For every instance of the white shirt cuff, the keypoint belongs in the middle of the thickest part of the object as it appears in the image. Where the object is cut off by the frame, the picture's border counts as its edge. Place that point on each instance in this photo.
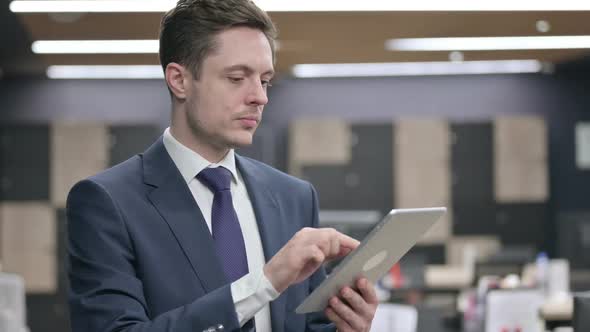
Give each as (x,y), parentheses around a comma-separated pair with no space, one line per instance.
(251,293)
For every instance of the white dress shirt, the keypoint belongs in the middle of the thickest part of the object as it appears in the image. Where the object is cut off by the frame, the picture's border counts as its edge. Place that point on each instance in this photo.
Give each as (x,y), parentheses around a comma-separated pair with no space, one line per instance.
(253,292)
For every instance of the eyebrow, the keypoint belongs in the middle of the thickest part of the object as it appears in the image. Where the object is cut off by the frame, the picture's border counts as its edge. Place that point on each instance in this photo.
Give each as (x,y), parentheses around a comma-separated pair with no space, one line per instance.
(247,69)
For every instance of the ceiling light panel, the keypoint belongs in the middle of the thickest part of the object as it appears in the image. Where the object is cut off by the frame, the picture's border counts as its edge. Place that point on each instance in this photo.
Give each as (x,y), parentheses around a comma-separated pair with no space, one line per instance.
(488,43)
(417,68)
(95,46)
(105,72)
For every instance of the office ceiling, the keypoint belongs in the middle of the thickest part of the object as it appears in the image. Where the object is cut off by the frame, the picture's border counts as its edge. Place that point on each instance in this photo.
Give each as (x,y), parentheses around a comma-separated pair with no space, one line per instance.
(304,37)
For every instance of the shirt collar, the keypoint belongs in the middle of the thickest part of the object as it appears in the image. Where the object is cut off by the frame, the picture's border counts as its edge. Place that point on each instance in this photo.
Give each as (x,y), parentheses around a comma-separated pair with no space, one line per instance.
(190,163)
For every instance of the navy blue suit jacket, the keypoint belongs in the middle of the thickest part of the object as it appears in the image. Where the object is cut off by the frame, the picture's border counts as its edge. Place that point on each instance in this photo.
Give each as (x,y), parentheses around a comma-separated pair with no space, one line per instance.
(142,258)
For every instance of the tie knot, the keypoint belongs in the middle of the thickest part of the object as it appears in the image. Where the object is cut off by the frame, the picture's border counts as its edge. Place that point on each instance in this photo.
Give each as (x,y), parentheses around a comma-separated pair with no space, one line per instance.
(216,179)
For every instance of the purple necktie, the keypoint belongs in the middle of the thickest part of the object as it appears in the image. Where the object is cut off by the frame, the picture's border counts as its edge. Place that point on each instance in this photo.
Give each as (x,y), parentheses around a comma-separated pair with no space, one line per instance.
(225,227)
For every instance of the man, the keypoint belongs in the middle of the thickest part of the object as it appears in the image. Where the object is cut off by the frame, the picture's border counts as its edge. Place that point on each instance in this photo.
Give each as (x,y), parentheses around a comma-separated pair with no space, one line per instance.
(189,236)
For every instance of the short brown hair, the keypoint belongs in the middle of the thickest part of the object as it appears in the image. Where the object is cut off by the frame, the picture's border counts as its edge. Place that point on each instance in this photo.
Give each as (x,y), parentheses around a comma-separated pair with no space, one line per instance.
(187,32)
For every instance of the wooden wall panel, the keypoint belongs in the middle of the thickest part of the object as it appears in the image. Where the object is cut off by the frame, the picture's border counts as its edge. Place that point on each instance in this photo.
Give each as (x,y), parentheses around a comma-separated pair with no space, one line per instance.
(520,159)
(78,151)
(318,142)
(29,244)
(422,170)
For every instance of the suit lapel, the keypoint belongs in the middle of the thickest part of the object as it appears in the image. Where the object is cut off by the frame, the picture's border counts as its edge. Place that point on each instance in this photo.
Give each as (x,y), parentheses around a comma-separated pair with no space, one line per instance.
(268,218)
(175,203)
(173,200)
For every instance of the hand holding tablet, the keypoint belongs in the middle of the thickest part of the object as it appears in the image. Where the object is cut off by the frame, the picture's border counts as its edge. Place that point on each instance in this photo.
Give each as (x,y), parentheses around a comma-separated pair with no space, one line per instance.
(379,251)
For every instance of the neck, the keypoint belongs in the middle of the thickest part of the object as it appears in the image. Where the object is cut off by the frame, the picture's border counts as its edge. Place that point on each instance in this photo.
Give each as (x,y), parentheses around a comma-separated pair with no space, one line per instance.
(198,144)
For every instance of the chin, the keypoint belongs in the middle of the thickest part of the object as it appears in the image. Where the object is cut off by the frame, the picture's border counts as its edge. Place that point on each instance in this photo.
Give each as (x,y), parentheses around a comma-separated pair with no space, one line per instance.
(242,141)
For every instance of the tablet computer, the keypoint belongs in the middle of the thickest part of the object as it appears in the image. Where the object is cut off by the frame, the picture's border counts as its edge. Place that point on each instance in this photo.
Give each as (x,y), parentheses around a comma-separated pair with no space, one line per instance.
(389,240)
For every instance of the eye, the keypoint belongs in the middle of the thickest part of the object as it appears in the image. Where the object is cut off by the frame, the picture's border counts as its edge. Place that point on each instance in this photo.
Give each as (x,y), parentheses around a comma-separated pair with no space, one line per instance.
(266,83)
(235,79)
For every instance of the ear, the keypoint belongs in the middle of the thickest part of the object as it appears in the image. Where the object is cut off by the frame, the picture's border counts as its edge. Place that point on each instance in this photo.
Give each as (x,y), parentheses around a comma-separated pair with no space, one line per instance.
(176,79)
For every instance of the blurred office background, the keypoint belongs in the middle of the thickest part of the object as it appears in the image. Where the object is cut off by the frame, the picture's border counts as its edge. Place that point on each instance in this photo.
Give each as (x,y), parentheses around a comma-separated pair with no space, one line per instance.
(503,143)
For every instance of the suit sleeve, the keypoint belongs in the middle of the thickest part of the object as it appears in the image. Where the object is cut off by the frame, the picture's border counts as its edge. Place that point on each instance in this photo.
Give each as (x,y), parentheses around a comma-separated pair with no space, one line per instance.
(106,295)
(317,321)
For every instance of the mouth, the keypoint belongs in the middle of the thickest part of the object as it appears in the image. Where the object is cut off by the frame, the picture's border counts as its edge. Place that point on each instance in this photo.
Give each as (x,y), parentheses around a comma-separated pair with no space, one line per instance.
(249,121)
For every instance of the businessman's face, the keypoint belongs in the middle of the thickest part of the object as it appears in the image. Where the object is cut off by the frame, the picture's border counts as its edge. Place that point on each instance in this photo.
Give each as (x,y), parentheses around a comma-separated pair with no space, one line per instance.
(225,104)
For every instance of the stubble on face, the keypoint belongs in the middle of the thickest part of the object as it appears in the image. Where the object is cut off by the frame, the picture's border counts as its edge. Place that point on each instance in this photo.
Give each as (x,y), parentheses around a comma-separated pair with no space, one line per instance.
(225,103)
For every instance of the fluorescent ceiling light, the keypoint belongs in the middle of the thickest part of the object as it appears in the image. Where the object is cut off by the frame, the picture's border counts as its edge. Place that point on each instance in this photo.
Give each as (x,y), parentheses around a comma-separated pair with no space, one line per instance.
(105,72)
(44,6)
(90,6)
(95,46)
(145,46)
(417,68)
(488,43)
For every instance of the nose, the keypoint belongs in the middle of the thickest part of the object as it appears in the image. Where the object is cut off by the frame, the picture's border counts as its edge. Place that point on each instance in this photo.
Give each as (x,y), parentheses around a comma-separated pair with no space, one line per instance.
(257,95)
